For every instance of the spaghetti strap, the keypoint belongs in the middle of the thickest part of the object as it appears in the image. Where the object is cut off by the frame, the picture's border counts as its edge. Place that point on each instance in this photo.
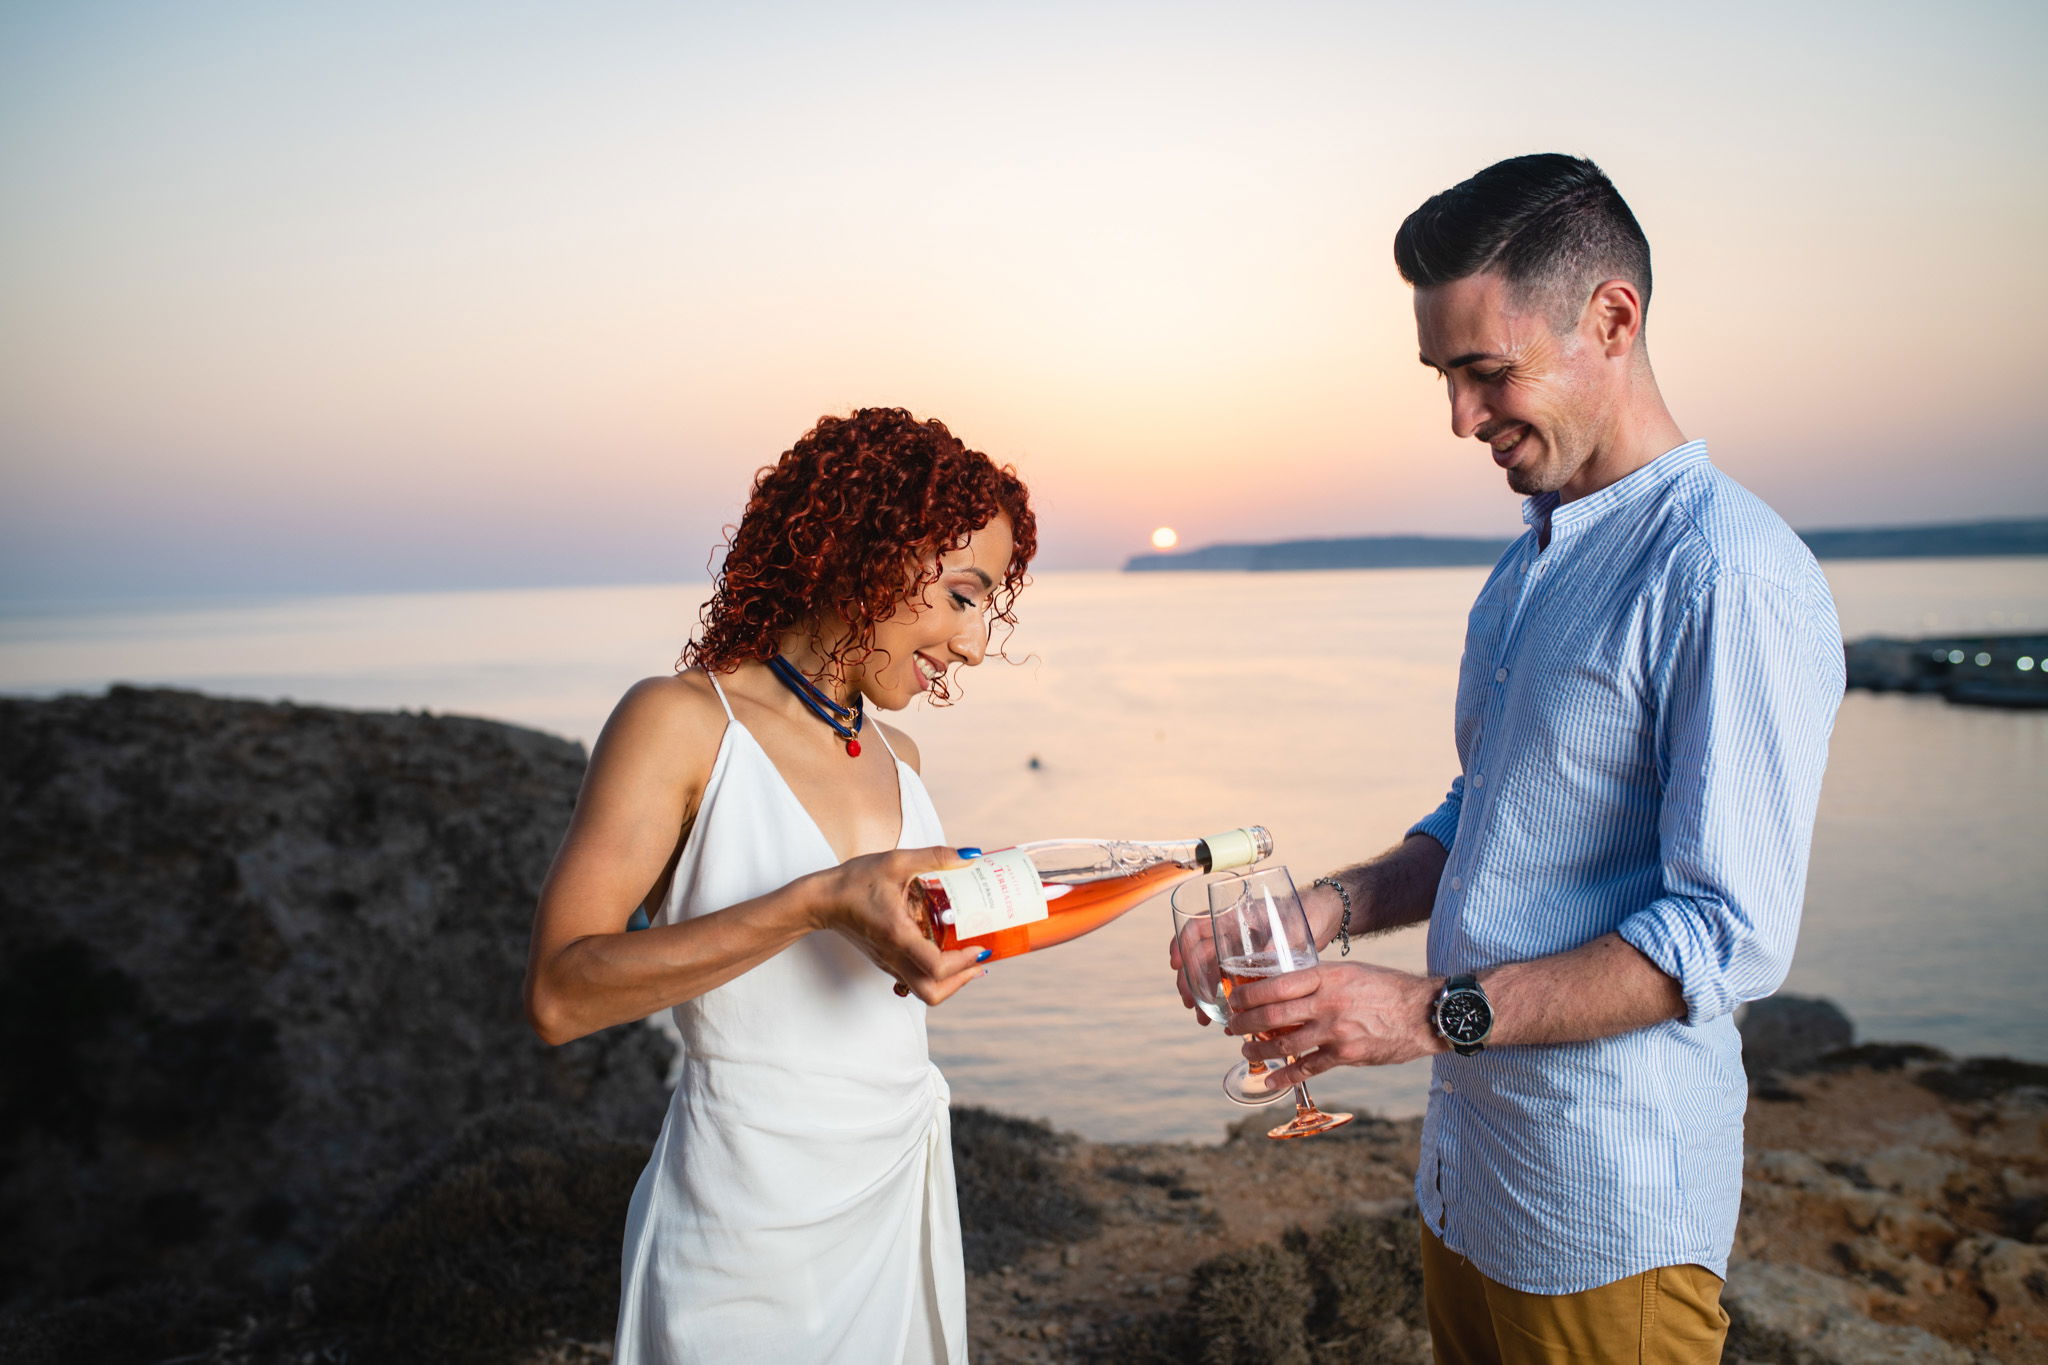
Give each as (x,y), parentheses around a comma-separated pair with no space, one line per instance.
(730,718)
(883,735)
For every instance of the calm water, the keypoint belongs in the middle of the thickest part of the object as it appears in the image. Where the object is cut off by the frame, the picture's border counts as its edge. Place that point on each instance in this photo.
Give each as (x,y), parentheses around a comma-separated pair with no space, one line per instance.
(1156,705)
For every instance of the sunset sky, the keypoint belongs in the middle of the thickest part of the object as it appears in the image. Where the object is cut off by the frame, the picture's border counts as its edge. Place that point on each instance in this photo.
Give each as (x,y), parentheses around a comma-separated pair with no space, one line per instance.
(432,295)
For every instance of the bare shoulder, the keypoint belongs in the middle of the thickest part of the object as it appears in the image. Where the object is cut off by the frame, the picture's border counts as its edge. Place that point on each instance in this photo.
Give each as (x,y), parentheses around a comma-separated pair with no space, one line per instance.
(673,699)
(669,725)
(903,745)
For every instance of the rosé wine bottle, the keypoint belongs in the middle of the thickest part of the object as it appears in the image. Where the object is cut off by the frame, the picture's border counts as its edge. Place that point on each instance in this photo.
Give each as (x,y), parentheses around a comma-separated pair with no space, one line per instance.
(1017,900)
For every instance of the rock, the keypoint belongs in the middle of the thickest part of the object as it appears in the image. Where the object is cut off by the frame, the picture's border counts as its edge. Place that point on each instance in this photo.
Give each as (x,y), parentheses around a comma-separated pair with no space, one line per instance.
(2019,1184)
(1786,1034)
(256,962)
(2013,1275)
(2014,1130)
(1913,1171)
(1794,1316)
(1863,1209)
(1900,1272)
(1795,1170)
(1913,1228)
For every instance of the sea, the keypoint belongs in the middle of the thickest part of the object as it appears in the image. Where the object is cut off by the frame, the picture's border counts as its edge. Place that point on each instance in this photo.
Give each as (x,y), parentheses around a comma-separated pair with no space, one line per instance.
(1166,705)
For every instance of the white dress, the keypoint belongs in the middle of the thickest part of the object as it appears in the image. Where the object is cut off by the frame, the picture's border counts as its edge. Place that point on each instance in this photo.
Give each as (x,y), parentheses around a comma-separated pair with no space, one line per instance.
(799,1205)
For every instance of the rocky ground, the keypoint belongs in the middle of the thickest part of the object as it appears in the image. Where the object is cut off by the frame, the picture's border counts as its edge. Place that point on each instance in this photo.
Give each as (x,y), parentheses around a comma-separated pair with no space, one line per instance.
(202,1163)
(1893,1210)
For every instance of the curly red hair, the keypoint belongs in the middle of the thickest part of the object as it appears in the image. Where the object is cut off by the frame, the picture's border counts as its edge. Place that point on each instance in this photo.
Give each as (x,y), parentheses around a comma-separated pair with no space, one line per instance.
(846,516)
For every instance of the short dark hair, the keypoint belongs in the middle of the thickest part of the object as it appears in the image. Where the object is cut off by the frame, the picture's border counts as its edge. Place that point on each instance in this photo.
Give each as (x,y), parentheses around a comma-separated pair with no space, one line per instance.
(1553,225)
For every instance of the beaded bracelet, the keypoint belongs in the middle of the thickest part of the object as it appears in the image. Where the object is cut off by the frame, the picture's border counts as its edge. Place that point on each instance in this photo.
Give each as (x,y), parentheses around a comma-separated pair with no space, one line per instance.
(1344,924)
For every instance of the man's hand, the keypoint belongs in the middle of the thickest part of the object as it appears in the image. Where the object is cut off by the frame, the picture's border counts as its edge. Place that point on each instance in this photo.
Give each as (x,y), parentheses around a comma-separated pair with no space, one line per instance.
(1192,955)
(1335,1014)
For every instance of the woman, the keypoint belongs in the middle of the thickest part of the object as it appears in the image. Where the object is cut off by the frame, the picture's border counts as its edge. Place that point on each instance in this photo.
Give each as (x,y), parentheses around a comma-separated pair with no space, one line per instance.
(799,1202)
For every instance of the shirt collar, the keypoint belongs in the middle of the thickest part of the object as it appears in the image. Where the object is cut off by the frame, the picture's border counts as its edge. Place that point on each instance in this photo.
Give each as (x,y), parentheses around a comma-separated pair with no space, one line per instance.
(1630,487)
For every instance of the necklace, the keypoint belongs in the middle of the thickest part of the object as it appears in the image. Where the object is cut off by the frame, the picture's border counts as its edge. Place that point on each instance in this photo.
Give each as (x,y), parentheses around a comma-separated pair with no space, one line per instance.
(822,706)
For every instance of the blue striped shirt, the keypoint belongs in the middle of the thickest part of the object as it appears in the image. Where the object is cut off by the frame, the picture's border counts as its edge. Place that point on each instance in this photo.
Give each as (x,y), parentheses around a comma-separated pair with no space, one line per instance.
(1643,715)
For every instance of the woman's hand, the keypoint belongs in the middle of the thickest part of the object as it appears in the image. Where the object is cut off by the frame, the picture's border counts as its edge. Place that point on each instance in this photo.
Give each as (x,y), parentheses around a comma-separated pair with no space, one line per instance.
(868,899)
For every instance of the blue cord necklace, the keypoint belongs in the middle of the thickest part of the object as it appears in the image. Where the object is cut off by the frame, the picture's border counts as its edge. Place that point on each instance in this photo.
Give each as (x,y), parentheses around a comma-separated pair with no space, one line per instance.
(822,706)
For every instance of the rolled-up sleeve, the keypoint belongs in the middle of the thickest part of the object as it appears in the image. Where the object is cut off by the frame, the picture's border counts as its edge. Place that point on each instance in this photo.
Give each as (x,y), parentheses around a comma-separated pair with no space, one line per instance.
(1441,824)
(1747,704)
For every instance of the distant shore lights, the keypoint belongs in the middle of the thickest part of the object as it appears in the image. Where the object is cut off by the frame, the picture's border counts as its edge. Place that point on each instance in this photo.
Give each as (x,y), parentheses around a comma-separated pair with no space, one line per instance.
(1983,659)
(1165,538)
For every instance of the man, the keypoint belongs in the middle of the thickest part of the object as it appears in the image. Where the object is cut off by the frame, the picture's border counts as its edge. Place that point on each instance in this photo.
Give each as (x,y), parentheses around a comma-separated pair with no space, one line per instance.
(1650,676)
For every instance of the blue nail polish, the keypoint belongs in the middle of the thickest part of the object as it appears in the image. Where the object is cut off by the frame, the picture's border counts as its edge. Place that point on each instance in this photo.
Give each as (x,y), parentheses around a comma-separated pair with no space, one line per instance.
(984,955)
(968,852)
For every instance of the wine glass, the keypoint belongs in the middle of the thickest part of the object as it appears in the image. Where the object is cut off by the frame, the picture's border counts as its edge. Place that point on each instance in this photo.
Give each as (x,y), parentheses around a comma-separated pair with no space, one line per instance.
(1194,933)
(1259,930)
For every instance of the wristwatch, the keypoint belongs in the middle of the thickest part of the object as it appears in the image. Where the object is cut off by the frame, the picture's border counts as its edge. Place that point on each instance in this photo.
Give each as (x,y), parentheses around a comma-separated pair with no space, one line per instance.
(1462,1014)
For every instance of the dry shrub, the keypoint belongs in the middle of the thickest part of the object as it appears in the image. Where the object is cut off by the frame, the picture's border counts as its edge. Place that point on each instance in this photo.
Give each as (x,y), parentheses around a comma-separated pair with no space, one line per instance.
(508,1238)
(133,1326)
(1251,1307)
(1367,1272)
(1350,1294)
(1984,1078)
(1015,1188)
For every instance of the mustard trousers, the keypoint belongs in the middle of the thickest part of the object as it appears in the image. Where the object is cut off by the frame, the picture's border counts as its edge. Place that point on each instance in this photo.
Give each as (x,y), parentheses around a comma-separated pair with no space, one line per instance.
(1668,1316)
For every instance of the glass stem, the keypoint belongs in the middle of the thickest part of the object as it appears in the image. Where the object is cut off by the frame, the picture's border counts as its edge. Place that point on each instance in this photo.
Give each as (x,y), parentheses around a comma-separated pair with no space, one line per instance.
(1303,1105)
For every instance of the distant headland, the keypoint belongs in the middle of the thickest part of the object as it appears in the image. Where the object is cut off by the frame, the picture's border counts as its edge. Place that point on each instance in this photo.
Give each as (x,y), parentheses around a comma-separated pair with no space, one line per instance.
(1950,540)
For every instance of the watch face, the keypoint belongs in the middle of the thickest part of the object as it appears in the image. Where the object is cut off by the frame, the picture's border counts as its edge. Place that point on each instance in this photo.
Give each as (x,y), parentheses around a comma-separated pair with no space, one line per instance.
(1465,1017)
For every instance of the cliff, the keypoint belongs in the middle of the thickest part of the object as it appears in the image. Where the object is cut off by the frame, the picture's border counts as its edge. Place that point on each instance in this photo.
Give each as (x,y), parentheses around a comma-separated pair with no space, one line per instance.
(256,962)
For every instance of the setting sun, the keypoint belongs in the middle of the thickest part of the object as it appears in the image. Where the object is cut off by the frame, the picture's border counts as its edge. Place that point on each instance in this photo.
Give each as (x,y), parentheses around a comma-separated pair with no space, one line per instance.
(1165,538)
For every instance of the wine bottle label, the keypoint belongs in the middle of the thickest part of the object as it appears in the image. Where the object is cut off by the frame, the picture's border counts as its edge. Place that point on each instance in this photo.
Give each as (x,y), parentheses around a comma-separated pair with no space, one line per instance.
(1233,848)
(997,891)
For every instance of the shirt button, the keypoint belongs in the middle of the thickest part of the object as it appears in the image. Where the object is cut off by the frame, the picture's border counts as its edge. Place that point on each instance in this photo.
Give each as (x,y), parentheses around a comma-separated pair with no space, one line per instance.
(1479,779)
(1500,675)
(1450,1089)
(1457,883)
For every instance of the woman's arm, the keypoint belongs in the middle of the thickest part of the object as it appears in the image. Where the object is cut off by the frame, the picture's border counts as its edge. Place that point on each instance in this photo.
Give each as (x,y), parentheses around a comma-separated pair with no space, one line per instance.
(646,776)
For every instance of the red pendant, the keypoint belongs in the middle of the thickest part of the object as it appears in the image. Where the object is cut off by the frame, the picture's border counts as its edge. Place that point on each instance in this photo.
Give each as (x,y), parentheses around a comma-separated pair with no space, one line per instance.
(853,748)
